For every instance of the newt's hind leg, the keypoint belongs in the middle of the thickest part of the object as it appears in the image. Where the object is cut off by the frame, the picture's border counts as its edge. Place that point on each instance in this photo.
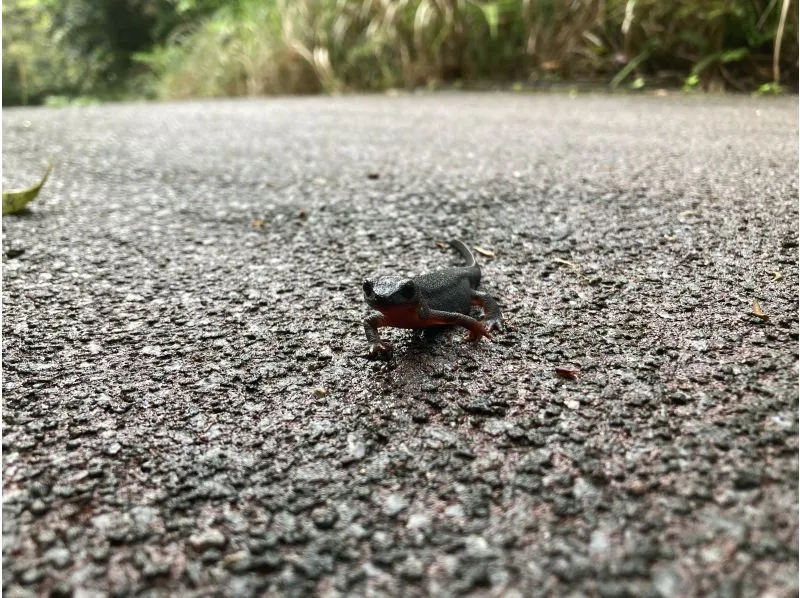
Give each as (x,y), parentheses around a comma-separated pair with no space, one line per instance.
(493,319)
(476,328)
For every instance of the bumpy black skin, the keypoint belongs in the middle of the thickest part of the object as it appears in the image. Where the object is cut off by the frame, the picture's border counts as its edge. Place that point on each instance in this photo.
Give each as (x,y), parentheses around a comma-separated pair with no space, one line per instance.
(438,298)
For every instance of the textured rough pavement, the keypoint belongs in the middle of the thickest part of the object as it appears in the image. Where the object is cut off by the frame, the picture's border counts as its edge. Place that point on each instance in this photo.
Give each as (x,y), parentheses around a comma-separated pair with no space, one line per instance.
(185,406)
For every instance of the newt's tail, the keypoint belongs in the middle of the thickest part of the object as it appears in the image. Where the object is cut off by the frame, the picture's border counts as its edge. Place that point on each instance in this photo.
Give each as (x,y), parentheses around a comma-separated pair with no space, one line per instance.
(465,252)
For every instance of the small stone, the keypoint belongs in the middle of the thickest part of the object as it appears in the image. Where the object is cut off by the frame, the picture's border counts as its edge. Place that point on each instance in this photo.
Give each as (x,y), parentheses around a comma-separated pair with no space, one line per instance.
(46,538)
(238,562)
(31,576)
(17,591)
(211,556)
(117,536)
(140,559)
(477,548)
(481,406)
(61,590)
(262,544)
(70,510)
(418,521)
(535,461)
(357,531)
(153,570)
(73,533)
(679,397)
(613,589)
(419,416)
(669,583)
(59,557)
(411,569)
(104,521)
(711,554)
(100,554)
(599,542)
(38,507)
(143,517)
(473,575)
(210,538)
(39,490)
(395,504)
(324,518)
(494,427)
(637,488)
(747,479)
(266,563)
(454,511)
(356,449)
(583,489)
(382,540)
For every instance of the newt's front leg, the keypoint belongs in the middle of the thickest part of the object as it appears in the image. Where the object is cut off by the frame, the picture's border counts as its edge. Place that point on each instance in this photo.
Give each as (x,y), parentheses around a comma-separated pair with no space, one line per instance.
(377,347)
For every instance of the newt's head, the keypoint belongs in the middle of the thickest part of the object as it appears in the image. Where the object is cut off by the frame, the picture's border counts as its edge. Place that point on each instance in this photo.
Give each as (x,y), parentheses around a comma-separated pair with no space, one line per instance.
(390,291)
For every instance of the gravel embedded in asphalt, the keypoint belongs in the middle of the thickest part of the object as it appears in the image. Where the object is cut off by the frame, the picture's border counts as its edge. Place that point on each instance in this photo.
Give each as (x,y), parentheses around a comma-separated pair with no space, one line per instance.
(186,405)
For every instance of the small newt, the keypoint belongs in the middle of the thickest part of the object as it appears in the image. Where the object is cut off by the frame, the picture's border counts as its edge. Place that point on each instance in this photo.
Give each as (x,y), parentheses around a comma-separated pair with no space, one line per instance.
(442,297)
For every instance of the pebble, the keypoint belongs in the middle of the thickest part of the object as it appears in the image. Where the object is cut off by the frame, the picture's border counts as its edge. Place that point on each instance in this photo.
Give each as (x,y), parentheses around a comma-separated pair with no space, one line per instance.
(38,507)
(59,557)
(395,504)
(411,569)
(210,538)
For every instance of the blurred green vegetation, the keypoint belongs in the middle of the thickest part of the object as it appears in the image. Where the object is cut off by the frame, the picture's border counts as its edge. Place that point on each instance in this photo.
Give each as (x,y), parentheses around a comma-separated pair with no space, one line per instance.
(58,50)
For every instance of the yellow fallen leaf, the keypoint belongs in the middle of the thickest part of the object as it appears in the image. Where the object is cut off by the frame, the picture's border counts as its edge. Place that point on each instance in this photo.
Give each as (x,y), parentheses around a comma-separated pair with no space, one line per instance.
(757,311)
(483,252)
(15,201)
(567,263)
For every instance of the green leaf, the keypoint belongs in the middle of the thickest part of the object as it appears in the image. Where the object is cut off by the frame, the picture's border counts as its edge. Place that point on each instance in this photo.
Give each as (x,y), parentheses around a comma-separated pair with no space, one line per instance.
(721,57)
(770,88)
(629,68)
(691,82)
(491,13)
(734,55)
(16,200)
(705,62)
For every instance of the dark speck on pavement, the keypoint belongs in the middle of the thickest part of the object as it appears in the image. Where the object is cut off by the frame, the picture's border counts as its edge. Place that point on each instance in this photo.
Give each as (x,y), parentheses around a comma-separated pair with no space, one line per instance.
(186,406)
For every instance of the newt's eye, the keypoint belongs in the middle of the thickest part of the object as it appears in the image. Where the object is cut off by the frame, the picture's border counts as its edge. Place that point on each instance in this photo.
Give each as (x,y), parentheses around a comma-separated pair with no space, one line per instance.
(367,286)
(407,290)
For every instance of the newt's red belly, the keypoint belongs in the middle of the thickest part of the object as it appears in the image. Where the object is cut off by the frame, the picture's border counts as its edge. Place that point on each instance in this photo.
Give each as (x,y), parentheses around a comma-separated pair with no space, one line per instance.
(406,316)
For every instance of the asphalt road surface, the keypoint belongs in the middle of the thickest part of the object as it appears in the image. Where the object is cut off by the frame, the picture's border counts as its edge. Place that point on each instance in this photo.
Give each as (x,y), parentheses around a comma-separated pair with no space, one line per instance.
(187,409)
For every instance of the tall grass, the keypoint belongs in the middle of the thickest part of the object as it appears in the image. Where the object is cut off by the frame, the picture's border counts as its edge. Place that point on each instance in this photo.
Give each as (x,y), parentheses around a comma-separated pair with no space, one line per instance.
(253,47)
(243,50)
(311,45)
